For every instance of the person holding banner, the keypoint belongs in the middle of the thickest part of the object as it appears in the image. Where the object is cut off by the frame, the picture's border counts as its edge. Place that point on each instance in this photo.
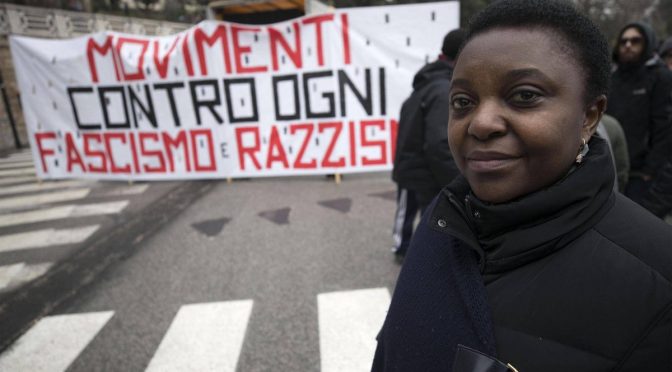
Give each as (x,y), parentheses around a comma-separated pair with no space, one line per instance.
(530,256)
(423,163)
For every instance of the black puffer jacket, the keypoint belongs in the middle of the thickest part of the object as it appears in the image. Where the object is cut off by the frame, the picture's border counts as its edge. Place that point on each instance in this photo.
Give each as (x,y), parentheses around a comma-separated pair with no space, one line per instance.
(640,98)
(423,162)
(578,278)
(658,198)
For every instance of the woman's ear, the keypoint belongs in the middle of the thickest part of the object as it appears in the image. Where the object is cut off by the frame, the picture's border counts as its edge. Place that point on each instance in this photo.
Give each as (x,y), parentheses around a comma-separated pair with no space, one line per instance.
(593,116)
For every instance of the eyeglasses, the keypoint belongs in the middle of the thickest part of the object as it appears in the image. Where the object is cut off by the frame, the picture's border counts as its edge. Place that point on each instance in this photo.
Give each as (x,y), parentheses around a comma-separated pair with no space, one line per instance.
(637,40)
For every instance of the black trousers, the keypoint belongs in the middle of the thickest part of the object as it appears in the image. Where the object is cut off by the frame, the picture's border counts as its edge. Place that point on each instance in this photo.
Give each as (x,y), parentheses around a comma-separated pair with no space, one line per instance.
(408,207)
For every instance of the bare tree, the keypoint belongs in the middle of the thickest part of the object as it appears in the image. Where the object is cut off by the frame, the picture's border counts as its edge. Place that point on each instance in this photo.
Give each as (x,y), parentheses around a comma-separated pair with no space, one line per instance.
(612,15)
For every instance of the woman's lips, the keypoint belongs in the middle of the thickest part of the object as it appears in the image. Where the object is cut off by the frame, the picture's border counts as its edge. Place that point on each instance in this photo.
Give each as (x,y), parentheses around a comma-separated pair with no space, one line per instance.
(487,161)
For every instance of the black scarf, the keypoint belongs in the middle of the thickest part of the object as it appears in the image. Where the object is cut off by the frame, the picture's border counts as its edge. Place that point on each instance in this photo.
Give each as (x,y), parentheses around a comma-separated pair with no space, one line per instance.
(512,234)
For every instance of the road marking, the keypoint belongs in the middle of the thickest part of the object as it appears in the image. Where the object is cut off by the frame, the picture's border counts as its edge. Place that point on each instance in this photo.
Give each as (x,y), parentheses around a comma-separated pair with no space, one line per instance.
(127,190)
(54,342)
(36,187)
(204,337)
(14,275)
(16,180)
(17,172)
(45,238)
(18,156)
(98,208)
(35,200)
(349,322)
(16,164)
(64,211)
(8,272)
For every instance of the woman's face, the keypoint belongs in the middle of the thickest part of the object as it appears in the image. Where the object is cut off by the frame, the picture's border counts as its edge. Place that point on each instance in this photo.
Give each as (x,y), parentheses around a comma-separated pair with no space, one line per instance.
(518,113)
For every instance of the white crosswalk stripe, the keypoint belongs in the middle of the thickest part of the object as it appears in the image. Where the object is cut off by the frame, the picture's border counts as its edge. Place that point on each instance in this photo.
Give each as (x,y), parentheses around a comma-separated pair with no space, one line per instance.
(16,180)
(8,272)
(17,274)
(54,342)
(37,187)
(127,190)
(204,337)
(65,211)
(16,164)
(19,156)
(349,322)
(45,238)
(39,199)
(17,172)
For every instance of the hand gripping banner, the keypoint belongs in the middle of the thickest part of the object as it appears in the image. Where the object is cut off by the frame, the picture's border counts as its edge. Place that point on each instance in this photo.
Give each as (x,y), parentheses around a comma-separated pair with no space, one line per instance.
(315,95)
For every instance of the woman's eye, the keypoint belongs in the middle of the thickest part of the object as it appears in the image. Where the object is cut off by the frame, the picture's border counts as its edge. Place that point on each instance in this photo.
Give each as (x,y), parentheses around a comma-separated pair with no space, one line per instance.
(525,97)
(460,103)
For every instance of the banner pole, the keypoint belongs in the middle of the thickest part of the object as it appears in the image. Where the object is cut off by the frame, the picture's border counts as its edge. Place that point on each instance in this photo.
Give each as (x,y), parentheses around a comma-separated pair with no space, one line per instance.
(337,178)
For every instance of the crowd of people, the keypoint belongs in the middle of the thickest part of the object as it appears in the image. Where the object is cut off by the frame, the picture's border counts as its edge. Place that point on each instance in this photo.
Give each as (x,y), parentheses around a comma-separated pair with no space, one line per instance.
(542,164)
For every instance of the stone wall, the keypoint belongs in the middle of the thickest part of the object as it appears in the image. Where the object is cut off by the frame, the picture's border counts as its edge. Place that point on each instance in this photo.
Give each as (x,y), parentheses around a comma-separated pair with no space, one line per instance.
(7,140)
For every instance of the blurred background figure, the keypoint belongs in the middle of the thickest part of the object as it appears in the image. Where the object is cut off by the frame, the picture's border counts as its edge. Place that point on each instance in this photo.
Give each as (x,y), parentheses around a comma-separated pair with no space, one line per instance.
(423,163)
(640,99)
(611,130)
(665,52)
(658,198)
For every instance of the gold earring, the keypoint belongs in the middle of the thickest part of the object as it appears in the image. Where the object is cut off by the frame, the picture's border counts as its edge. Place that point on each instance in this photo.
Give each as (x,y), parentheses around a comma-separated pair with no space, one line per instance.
(583,150)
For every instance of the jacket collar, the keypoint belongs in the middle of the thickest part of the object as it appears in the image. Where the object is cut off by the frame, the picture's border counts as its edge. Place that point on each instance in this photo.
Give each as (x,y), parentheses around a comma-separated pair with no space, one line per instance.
(512,234)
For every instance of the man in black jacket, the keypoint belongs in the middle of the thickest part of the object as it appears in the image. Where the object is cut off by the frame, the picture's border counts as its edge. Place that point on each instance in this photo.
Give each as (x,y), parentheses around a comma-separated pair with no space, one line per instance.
(658,198)
(423,163)
(640,99)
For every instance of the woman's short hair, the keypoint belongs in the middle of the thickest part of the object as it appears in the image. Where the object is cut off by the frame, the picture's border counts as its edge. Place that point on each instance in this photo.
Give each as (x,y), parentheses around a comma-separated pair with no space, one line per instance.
(582,38)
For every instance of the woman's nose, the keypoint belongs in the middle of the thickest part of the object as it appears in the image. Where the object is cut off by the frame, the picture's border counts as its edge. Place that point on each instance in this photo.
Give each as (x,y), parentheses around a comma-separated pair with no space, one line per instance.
(487,122)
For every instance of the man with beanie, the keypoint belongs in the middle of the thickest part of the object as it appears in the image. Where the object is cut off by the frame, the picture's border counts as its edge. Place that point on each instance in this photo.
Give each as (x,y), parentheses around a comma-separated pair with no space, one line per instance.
(640,99)
(423,164)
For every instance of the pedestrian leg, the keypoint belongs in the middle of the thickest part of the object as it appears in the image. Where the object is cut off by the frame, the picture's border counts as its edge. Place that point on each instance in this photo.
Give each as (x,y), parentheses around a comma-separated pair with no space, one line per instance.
(404,218)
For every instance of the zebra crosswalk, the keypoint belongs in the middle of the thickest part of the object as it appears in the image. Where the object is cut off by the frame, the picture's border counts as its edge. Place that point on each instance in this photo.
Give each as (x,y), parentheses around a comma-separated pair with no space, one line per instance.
(210,336)
(30,209)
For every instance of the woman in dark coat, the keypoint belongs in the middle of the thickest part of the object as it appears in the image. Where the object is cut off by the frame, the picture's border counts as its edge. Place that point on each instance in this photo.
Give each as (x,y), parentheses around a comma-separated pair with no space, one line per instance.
(530,256)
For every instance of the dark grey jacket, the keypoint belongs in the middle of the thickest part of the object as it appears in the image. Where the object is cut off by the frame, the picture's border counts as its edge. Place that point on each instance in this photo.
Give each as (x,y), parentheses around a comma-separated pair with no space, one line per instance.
(423,162)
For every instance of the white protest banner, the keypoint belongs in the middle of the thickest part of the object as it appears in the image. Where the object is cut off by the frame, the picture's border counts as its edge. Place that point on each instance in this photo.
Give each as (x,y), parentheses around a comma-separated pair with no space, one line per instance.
(315,95)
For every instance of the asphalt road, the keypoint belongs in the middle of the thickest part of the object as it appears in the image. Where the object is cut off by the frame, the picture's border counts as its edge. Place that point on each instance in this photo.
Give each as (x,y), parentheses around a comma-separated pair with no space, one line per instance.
(295,272)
